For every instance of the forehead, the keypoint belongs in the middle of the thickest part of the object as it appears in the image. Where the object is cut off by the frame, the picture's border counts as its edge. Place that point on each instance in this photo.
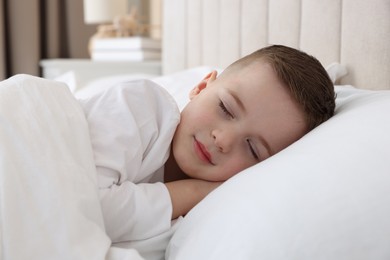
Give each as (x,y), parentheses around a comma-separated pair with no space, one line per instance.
(249,66)
(255,79)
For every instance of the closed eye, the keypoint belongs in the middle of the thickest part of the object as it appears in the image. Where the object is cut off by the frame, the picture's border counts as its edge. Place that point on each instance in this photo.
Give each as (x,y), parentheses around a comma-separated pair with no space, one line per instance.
(252,150)
(224,109)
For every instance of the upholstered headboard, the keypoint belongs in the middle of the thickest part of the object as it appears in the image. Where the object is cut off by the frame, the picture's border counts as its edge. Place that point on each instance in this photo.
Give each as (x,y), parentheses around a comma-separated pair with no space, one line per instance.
(355,33)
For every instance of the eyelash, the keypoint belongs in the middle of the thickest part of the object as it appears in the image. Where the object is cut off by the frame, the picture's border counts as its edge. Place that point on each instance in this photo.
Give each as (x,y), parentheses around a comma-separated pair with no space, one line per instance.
(224,109)
(252,150)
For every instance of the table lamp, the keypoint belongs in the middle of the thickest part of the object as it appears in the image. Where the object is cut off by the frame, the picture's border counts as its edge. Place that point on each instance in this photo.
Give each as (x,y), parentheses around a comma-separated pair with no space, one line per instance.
(102,11)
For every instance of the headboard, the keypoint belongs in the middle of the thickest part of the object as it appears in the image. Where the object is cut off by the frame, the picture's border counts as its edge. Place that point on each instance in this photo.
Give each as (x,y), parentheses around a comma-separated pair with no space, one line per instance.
(354,33)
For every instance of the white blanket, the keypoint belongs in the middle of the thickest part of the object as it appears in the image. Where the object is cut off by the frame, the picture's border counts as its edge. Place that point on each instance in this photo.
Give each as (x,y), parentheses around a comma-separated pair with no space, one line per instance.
(49,205)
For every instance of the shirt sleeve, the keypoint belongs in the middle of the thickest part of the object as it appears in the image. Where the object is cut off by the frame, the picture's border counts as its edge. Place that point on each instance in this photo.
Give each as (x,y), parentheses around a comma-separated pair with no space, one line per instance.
(136,211)
(131,128)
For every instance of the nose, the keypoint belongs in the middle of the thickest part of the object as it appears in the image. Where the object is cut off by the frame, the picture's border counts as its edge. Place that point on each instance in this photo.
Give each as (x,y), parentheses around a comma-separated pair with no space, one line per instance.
(223,139)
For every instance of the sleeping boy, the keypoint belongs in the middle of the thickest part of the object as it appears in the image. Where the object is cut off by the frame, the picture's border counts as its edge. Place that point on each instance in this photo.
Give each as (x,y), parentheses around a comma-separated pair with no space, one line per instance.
(155,164)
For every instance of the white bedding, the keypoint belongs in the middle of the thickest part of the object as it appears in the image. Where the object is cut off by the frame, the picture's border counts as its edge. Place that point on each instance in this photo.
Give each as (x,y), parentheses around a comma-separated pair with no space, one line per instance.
(324,197)
(49,207)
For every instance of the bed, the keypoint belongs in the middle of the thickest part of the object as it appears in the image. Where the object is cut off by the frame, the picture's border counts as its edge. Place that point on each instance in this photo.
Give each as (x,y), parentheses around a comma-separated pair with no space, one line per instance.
(326,196)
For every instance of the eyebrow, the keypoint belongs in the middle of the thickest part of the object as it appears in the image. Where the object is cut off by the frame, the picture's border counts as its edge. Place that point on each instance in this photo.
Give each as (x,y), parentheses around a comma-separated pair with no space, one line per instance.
(236,99)
(242,107)
(266,145)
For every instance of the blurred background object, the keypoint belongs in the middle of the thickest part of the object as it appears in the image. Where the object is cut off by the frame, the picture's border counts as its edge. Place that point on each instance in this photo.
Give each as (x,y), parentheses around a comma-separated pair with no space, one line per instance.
(102,11)
(33,30)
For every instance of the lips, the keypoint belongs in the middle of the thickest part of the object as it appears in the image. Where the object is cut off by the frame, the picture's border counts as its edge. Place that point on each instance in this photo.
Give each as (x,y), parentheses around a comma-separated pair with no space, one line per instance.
(202,152)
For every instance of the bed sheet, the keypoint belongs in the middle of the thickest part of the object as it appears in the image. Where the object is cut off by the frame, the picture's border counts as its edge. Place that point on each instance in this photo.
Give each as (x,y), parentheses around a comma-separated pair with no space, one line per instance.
(49,205)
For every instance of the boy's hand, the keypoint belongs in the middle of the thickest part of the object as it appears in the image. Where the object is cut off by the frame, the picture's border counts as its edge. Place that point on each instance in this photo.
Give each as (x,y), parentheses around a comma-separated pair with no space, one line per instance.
(185,194)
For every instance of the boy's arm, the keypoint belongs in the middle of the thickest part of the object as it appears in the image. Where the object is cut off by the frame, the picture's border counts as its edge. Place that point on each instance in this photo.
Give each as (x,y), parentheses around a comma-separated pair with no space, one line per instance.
(185,194)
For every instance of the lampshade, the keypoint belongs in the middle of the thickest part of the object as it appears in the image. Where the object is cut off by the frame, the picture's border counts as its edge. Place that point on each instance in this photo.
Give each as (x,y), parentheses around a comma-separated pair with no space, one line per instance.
(100,11)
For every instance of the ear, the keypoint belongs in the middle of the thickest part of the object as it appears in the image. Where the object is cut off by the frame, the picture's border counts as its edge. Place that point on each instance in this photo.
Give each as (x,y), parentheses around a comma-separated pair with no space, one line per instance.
(203,84)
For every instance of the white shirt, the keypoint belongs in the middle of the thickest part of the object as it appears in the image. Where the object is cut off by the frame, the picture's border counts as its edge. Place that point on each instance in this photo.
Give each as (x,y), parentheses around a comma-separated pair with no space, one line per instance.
(131,128)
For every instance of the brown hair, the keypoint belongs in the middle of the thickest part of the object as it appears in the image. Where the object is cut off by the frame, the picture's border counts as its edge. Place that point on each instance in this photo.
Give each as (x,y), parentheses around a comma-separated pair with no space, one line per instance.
(304,75)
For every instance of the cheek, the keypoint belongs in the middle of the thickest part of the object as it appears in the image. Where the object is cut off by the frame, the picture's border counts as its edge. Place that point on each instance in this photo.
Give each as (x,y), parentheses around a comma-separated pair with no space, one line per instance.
(203,106)
(195,113)
(201,117)
(234,166)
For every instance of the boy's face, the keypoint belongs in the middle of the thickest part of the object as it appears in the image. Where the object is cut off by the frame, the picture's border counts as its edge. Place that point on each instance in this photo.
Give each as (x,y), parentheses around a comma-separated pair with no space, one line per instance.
(235,121)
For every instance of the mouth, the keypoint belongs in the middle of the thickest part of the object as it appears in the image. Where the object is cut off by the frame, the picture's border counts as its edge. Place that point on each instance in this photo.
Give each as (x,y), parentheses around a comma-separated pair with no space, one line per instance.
(202,152)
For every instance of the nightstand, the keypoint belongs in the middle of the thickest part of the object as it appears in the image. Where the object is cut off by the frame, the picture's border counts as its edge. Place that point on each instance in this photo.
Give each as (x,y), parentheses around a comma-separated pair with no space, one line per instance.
(86,70)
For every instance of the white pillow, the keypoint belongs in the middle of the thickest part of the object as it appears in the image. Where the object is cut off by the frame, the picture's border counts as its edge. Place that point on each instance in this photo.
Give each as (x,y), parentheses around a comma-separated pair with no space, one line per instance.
(103,83)
(325,197)
(336,71)
(177,84)
(180,84)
